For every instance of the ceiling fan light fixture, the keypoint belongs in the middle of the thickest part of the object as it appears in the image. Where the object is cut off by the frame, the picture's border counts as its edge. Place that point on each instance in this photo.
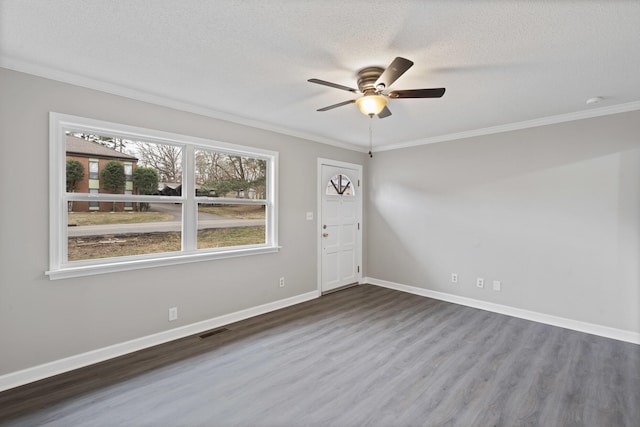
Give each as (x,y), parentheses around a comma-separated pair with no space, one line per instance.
(371,104)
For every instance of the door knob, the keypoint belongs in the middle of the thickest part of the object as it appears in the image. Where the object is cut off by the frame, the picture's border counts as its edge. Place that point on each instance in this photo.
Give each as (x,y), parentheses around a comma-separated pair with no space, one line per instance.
(325,234)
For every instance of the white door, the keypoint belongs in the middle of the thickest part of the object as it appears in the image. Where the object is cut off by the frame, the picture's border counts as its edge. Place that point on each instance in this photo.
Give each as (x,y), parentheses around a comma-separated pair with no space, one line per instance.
(340,228)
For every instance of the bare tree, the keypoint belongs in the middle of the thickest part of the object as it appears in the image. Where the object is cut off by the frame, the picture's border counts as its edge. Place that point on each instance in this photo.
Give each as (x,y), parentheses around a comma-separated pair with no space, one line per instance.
(208,166)
(225,173)
(166,159)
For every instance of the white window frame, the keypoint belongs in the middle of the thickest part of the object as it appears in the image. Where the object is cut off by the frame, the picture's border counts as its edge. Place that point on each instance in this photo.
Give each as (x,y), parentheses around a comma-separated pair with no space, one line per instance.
(60,267)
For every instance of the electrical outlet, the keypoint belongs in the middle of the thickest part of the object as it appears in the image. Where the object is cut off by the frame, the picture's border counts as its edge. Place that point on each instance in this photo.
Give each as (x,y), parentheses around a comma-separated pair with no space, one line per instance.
(454,278)
(480,282)
(497,286)
(173,314)
(282,282)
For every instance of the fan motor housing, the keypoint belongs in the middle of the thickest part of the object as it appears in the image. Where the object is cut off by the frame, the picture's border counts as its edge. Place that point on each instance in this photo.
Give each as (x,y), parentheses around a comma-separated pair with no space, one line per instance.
(367,78)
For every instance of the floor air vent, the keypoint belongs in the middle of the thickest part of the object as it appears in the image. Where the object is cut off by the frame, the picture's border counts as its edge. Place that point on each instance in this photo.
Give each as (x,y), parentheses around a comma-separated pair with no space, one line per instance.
(213,332)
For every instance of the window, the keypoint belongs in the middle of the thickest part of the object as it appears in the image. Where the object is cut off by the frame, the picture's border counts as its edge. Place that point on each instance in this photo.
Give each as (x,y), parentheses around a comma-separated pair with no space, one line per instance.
(94,182)
(149,198)
(340,185)
(128,189)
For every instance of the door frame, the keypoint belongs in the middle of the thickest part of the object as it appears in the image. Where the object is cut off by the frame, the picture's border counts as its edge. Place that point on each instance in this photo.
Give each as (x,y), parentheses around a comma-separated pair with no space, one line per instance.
(320,192)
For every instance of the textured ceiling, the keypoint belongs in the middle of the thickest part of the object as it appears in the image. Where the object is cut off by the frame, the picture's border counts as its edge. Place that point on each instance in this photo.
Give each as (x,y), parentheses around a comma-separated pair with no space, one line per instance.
(502,62)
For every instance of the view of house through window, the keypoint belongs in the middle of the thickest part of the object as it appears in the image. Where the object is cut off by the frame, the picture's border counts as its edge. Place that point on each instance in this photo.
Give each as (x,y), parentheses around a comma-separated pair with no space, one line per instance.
(124,198)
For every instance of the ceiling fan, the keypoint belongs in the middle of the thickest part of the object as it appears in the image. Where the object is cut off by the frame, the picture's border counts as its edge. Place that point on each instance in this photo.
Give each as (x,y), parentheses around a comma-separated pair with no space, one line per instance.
(373,84)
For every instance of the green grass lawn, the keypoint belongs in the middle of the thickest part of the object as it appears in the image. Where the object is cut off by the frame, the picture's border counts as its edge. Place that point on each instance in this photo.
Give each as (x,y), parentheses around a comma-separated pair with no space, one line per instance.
(235,236)
(100,218)
(235,211)
(108,246)
(93,247)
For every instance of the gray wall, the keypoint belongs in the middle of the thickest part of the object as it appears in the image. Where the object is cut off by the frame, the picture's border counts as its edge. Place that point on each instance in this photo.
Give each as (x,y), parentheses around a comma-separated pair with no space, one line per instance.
(43,320)
(552,212)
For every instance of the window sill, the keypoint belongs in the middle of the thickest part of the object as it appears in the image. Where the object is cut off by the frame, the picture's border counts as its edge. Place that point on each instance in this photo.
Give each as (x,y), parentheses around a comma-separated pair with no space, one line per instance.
(112,267)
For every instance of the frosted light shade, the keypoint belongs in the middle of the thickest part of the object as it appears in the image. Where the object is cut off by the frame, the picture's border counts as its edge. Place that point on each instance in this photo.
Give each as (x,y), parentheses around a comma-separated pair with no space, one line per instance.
(371,104)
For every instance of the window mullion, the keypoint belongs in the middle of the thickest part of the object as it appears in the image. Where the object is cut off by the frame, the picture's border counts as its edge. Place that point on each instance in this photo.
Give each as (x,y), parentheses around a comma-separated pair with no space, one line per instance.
(190,206)
(272,202)
(58,214)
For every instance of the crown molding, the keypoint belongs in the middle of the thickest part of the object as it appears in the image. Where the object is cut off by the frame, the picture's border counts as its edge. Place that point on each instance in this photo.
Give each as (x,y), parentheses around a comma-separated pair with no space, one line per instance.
(161,100)
(544,121)
(156,99)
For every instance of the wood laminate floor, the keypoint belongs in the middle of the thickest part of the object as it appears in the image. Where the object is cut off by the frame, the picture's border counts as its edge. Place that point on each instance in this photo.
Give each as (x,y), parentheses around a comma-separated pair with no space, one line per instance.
(364,356)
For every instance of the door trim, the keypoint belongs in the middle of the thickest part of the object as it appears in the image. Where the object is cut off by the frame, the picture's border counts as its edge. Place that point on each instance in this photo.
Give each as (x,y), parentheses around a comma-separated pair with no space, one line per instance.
(319,191)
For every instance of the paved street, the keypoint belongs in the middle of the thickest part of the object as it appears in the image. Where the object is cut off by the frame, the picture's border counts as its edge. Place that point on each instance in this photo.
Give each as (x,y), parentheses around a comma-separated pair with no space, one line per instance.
(150,227)
(206,221)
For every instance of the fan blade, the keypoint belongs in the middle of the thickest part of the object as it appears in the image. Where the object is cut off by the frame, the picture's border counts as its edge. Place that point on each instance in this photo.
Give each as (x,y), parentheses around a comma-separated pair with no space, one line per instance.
(393,72)
(417,93)
(384,113)
(331,107)
(335,85)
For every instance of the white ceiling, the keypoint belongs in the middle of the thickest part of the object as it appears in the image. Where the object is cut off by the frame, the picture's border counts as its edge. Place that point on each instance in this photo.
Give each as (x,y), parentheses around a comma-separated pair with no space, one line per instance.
(504,63)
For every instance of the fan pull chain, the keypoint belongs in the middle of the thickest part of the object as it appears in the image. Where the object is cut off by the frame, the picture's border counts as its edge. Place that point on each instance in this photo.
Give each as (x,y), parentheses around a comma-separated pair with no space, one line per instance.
(371,137)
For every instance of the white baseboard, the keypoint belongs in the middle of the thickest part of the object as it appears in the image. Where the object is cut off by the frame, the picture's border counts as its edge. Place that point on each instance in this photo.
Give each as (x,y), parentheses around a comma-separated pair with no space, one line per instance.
(56,367)
(576,325)
(25,376)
